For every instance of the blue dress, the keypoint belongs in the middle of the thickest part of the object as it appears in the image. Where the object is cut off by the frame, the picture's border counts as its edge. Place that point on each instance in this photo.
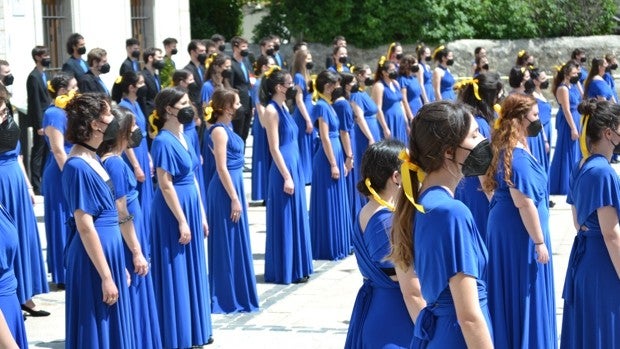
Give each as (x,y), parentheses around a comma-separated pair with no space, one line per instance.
(145,189)
(330,215)
(90,322)
(591,288)
(194,141)
(369,107)
(567,151)
(599,88)
(261,159)
(446,85)
(29,268)
(9,304)
(537,148)
(179,271)
(208,162)
(428,82)
(469,190)
(521,291)
(414,92)
(141,294)
(544,114)
(446,243)
(612,84)
(343,110)
(305,140)
(54,205)
(393,112)
(206,92)
(288,255)
(231,269)
(380,318)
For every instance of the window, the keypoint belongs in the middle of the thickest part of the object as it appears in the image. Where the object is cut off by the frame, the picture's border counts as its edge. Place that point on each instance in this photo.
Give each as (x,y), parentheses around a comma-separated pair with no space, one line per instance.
(56,29)
(142,22)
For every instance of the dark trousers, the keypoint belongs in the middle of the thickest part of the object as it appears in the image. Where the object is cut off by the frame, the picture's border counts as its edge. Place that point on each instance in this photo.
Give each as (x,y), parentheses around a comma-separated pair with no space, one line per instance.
(38,156)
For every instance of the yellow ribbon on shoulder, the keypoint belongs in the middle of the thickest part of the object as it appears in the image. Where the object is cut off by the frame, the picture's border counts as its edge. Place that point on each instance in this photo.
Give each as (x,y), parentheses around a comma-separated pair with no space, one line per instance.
(62,100)
(583,142)
(376,196)
(498,110)
(316,94)
(474,82)
(407,166)
(50,87)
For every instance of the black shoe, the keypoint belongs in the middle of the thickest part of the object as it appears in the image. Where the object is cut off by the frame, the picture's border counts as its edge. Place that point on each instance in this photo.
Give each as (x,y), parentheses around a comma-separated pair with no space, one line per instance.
(302,280)
(35,313)
(246,169)
(210,341)
(551,204)
(60,286)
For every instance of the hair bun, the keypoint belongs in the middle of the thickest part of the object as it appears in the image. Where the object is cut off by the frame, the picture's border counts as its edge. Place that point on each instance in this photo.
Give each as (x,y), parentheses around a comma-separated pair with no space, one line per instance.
(588,106)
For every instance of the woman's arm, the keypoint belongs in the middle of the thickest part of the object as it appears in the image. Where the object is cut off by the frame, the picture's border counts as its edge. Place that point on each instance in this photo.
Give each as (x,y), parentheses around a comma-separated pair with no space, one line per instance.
(361,122)
(6,337)
(141,267)
(437,75)
(529,217)
(377,97)
(273,139)
(421,80)
(562,95)
(406,107)
(327,147)
(220,140)
(299,102)
(57,146)
(260,110)
(468,313)
(205,225)
(412,293)
(608,219)
(575,222)
(170,196)
(135,164)
(28,184)
(345,139)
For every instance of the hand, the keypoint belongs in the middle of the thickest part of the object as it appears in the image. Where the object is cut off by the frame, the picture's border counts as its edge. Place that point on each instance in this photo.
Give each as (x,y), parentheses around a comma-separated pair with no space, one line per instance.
(235,210)
(335,172)
(205,227)
(109,290)
(32,196)
(289,186)
(574,135)
(151,166)
(185,235)
(542,254)
(547,147)
(348,165)
(41,132)
(139,174)
(128,277)
(309,127)
(387,134)
(141,266)
(371,140)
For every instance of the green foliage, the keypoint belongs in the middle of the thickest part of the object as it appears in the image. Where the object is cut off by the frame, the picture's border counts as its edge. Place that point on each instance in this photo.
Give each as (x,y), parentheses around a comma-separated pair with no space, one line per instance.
(209,17)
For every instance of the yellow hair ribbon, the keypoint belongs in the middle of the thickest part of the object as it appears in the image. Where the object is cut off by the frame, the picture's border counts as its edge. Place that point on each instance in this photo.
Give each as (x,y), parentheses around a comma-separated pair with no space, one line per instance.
(62,100)
(522,70)
(154,116)
(440,48)
(272,69)
(210,59)
(208,112)
(583,142)
(326,98)
(521,53)
(315,92)
(50,87)
(473,82)
(118,80)
(498,110)
(407,166)
(382,61)
(559,67)
(352,69)
(378,198)
(390,48)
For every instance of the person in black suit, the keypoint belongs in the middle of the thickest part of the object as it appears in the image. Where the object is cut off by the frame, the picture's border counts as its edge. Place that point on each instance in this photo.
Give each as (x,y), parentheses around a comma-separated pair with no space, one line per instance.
(153,63)
(76,47)
(98,63)
(280,61)
(38,101)
(241,69)
(133,56)
(198,55)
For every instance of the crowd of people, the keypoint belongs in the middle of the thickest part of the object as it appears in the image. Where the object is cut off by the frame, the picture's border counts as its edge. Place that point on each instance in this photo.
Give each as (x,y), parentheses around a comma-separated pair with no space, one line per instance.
(409,169)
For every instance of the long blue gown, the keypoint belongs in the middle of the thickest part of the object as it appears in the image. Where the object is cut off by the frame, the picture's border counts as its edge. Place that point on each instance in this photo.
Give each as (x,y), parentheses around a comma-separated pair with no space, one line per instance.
(393,111)
(54,205)
(469,190)
(447,242)
(208,162)
(29,267)
(145,189)
(446,85)
(567,151)
(141,294)
(9,304)
(261,159)
(537,148)
(544,114)
(191,134)
(591,288)
(612,84)
(231,270)
(428,82)
(343,110)
(379,318)
(305,140)
(179,271)
(521,291)
(330,215)
(288,256)
(599,88)
(414,92)
(91,323)
(369,107)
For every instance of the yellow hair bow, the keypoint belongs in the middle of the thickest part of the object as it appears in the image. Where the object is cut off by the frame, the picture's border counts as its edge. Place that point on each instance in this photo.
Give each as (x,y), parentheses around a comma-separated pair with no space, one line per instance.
(210,59)
(272,69)
(390,48)
(407,166)
(352,69)
(382,61)
(154,116)
(437,50)
(522,70)
(583,142)
(62,100)
(498,110)
(208,112)
(118,80)
(50,87)
(473,82)
(521,53)
(378,198)
(559,67)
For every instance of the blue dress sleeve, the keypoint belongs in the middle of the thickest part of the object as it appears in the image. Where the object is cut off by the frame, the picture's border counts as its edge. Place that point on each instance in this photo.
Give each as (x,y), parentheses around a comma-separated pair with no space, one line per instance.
(522,174)
(377,239)
(115,166)
(56,118)
(299,80)
(162,153)
(318,111)
(345,115)
(80,188)
(206,92)
(603,190)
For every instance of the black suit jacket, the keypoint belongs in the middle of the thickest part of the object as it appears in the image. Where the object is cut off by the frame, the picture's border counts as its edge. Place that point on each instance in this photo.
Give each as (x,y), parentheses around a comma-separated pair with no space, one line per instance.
(73,66)
(38,98)
(147,100)
(127,66)
(242,85)
(194,89)
(90,83)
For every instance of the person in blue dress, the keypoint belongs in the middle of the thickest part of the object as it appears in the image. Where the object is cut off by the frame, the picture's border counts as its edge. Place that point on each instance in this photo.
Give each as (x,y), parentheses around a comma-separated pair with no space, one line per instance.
(18,198)
(386,94)
(231,269)
(520,278)
(125,94)
(612,64)
(568,126)
(135,235)
(481,94)
(578,57)
(367,129)
(288,254)
(62,88)
(10,312)
(302,65)
(330,215)
(517,78)
(592,284)
(595,85)
(443,81)
(541,83)
(261,159)
(425,75)
(409,85)
(435,235)
(390,298)
(537,144)
(178,261)
(98,307)
(340,59)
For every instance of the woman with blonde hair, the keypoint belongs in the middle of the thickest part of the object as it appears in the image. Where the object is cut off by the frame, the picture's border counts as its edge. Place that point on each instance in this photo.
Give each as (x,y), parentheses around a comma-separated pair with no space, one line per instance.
(302,65)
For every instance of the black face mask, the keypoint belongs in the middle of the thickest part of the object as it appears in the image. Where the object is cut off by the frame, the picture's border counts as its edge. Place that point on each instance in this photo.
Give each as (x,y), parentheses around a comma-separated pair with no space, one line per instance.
(479,159)
(227,74)
(9,135)
(135,138)
(399,56)
(428,58)
(46,62)
(291,92)
(342,59)
(81,50)
(202,58)
(582,59)
(276,47)
(185,115)
(485,66)
(534,128)
(415,68)
(104,69)
(221,48)
(8,80)
(544,85)
(450,62)
(529,86)
(159,65)
(135,54)
(368,81)
(393,75)
(269,52)
(111,131)
(574,80)
(244,53)
(309,65)
(142,91)
(613,66)
(174,51)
